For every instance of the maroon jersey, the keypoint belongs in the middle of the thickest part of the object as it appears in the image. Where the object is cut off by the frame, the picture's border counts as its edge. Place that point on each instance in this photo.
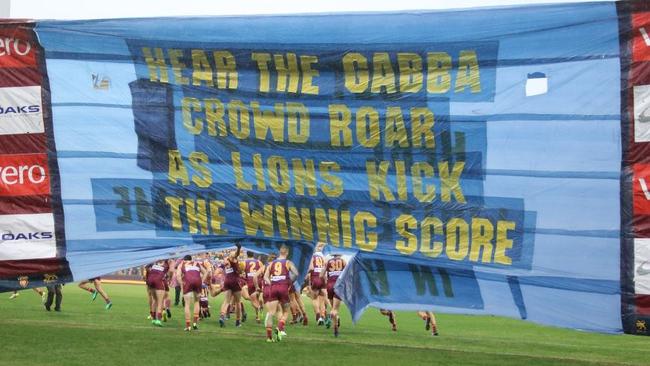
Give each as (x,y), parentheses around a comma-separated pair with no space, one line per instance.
(334,268)
(279,272)
(156,273)
(230,269)
(251,266)
(191,271)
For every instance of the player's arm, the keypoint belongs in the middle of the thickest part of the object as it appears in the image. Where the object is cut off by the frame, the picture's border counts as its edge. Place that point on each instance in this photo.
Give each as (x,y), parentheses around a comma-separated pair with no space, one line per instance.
(324,271)
(267,274)
(237,252)
(144,273)
(310,270)
(260,272)
(204,274)
(293,270)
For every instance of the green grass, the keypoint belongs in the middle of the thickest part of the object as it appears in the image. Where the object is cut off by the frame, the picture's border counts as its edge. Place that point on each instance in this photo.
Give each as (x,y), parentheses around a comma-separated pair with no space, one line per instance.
(86,334)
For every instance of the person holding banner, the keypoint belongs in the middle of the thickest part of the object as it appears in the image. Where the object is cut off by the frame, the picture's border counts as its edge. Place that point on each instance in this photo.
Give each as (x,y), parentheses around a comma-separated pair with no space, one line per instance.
(191,274)
(97,282)
(231,287)
(279,275)
(333,270)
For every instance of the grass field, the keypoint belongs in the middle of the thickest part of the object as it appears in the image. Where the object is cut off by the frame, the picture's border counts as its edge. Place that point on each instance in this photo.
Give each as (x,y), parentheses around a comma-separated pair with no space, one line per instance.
(86,334)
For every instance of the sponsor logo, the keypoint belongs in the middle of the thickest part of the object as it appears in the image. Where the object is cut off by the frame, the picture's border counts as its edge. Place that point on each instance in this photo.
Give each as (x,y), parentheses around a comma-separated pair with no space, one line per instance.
(101,82)
(24,175)
(642,113)
(643,269)
(15,50)
(23,281)
(24,109)
(27,237)
(21,110)
(14,46)
(641,189)
(641,36)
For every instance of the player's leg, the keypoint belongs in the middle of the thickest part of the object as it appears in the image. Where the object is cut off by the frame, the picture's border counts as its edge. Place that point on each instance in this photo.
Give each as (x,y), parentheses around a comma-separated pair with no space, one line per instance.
(84,286)
(58,297)
(237,303)
(271,309)
(100,289)
(151,297)
(336,302)
(159,295)
(195,313)
(301,305)
(255,302)
(434,324)
(391,318)
(316,303)
(187,299)
(224,307)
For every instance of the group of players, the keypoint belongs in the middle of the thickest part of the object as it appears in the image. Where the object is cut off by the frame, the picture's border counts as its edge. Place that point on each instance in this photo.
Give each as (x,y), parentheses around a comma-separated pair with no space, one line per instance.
(267,286)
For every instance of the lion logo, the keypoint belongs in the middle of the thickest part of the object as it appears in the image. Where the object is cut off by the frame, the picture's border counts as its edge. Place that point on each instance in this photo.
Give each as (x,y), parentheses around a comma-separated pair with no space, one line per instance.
(23,281)
(641,326)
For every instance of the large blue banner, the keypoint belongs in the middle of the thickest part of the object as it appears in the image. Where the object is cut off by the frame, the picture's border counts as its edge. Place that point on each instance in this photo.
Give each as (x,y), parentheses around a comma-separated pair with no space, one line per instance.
(468,161)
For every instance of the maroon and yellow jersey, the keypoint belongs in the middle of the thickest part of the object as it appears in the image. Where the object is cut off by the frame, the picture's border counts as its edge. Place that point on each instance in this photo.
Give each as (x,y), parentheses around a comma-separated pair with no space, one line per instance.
(318,264)
(334,268)
(251,266)
(279,272)
(230,269)
(157,271)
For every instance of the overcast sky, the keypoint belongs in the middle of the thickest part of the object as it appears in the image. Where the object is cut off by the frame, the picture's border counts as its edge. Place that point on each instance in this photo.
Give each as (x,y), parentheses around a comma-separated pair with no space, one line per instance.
(86,9)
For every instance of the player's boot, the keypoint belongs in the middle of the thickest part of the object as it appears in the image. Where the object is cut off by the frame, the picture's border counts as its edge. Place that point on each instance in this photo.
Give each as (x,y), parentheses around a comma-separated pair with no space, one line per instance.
(427,324)
(305,321)
(93,295)
(13,296)
(222,321)
(164,316)
(434,330)
(328,322)
(320,322)
(169,313)
(109,305)
(277,335)
(244,316)
(158,323)
(187,329)
(237,324)
(195,326)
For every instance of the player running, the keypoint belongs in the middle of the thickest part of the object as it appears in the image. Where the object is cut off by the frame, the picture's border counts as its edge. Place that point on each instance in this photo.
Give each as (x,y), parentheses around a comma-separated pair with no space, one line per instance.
(231,287)
(429,321)
(156,274)
(97,282)
(251,268)
(279,274)
(191,274)
(317,284)
(333,270)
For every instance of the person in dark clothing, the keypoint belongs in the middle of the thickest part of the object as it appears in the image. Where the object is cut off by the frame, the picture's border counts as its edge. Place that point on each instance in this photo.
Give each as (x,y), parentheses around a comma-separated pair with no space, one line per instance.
(52,292)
